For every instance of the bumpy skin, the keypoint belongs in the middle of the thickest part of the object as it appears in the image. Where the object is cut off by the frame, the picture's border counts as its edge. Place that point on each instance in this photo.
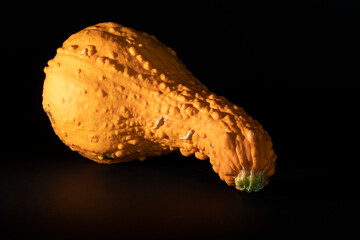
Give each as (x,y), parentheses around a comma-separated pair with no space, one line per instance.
(115,94)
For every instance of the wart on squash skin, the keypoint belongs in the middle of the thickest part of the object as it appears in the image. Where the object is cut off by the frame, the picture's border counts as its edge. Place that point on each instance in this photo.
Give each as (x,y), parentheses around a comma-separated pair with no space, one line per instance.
(158,123)
(188,135)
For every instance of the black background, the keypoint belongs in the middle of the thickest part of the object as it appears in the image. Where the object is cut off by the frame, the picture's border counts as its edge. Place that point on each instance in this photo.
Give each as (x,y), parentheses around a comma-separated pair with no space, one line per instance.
(293,67)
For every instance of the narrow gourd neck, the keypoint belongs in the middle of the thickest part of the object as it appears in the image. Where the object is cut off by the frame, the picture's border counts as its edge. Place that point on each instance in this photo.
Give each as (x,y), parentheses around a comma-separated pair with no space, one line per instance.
(237,146)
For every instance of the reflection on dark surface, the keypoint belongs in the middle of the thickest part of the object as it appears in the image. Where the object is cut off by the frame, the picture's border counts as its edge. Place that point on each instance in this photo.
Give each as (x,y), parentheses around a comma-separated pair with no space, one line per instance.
(172,196)
(78,196)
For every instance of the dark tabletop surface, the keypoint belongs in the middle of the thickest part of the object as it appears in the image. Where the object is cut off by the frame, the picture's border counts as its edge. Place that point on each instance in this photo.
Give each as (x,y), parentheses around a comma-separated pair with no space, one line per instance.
(292,67)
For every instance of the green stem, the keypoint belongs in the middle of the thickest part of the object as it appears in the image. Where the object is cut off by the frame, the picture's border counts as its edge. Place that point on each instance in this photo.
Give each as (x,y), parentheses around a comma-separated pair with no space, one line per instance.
(249,181)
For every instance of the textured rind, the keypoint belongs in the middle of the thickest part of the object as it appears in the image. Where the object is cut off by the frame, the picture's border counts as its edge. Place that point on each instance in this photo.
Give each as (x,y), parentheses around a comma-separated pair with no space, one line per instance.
(115,94)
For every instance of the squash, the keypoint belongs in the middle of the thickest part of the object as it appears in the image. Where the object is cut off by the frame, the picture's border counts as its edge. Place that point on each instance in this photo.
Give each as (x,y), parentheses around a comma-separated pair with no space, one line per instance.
(115,94)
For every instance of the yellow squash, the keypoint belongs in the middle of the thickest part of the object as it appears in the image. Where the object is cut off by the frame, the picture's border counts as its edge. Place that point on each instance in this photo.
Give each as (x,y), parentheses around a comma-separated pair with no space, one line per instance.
(115,94)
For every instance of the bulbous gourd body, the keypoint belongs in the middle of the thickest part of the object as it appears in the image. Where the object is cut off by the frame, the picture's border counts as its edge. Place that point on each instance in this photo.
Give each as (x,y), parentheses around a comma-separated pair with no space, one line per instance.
(115,94)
